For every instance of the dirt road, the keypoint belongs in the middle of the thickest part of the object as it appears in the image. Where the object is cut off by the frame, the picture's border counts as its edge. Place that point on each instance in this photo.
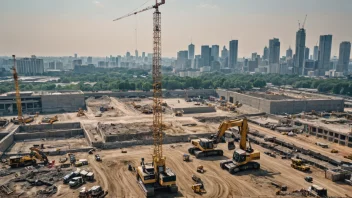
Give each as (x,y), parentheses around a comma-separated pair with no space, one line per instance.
(113,175)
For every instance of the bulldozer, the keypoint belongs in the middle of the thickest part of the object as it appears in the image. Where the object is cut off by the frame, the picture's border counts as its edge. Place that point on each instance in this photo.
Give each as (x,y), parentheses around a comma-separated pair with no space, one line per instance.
(198,188)
(243,158)
(204,147)
(348,156)
(20,161)
(80,112)
(299,165)
(50,120)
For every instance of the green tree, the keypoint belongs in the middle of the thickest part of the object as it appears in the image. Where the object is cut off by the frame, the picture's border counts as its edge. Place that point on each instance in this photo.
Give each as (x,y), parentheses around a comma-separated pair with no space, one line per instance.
(260,83)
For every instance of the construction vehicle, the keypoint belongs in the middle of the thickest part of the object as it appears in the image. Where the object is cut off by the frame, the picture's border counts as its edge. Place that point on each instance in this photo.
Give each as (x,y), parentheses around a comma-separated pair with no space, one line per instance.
(308,178)
(243,158)
(204,147)
(97,192)
(198,188)
(97,158)
(186,157)
(155,176)
(318,191)
(39,155)
(200,169)
(76,181)
(136,106)
(50,120)
(334,151)
(348,156)
(299,165)
(80,112)
(322,145)
(179,113)
(18,161)
(103,109)
(25,120)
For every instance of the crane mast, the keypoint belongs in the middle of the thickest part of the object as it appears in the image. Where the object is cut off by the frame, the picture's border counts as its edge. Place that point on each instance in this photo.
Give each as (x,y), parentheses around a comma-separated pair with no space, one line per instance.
(18,96)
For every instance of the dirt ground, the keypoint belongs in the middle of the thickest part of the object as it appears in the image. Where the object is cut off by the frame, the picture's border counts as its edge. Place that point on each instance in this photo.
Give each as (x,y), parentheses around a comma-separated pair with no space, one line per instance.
(113,175)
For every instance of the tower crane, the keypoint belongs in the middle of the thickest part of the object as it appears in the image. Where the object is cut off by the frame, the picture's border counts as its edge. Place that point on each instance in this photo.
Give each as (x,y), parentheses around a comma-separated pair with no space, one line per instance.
(154,176)
(18,97)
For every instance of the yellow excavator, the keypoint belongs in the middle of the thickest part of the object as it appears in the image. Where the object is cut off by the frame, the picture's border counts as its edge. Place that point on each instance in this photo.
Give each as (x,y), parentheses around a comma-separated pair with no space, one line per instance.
(243,157)
(40,155)
(205,147)
(20,161)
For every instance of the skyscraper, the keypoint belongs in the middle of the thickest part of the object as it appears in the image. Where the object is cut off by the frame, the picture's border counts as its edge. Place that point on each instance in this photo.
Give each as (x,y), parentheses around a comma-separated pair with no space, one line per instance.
(324,56)
(233,54)
(205,54)
(89,60)
(136,53)
(266,53)
(274,51)
(215,52)
(30,66)
(289,53)
(224,52)
(315,53)
(306,53)
(143,55)
(191,51)
(344,57)
(182,57)
(300,48)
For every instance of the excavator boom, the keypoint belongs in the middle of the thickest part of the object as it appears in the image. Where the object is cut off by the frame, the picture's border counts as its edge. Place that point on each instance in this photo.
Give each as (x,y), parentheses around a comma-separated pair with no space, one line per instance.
(243,128)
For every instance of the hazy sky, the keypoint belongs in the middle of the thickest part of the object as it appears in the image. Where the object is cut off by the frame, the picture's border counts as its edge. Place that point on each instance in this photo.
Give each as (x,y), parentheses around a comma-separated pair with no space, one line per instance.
(65,27)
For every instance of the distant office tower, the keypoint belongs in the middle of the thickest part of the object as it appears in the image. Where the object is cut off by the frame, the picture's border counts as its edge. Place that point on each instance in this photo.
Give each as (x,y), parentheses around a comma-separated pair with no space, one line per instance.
(306,53)
(233,54)
(136,53)
(289,53)
(59,65)
(206,54)
(324,56)
(191,51)
(215,52)
(266,53)
(344,57)
(30,66)
(75,56)
(76,62)
(89,60)
(196,62)
(224,52)
(51,65)
(274,51)
(128,54)
(143,55)
(182,57)
(300,48)
(315,53)
(254,56)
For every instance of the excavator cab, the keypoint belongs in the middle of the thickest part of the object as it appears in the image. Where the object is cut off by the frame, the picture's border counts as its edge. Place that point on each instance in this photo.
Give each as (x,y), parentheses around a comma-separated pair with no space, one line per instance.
(239,156)
(207,144)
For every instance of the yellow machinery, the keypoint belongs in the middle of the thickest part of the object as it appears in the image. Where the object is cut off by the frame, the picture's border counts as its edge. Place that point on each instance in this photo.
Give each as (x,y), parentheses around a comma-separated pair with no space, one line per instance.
(198,188)
(348,156)
(334,151)
(18,161)
(80,112)
(299,165)
(243,157)
(50,120)
(39,155)
(18,96)
(155,175)
(205,147)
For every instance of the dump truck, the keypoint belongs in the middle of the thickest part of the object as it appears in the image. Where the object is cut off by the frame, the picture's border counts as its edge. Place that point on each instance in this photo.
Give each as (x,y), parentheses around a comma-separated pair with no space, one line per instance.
(299,165)
(318,191)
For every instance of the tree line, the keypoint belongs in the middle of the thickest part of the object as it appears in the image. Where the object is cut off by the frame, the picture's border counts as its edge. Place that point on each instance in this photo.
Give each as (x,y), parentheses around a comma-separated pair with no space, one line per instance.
(118,79)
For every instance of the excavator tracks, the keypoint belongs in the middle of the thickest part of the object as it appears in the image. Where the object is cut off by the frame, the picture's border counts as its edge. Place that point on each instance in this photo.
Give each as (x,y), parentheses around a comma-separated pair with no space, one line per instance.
(233,168)
(201,154)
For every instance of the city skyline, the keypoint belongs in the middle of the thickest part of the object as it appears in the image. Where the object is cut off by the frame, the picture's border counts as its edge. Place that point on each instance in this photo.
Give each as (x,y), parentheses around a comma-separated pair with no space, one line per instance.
(86,27)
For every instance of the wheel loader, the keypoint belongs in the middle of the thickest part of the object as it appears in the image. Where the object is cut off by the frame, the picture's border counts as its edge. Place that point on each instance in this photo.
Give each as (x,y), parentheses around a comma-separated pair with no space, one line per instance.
(299,165)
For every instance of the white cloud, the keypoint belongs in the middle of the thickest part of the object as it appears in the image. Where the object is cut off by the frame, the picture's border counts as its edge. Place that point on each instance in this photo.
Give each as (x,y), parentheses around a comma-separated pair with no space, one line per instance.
(98,4)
